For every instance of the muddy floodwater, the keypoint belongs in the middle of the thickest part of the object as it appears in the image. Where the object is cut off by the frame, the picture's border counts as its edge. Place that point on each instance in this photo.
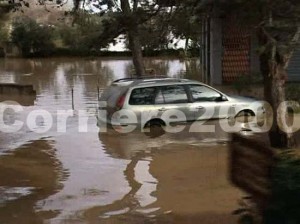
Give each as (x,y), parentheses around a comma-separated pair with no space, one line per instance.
(72,176)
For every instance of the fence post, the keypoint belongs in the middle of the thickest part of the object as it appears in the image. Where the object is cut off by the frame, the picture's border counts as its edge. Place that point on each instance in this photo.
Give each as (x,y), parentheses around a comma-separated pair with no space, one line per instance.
(73,99)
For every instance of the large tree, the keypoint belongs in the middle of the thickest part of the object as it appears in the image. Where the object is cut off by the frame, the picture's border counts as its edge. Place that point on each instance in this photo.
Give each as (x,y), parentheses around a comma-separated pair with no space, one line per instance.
(128,16)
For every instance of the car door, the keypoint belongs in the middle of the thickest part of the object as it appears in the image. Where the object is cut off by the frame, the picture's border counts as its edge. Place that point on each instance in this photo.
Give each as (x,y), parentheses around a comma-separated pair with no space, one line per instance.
(175,98)
(141,103)
(208,103)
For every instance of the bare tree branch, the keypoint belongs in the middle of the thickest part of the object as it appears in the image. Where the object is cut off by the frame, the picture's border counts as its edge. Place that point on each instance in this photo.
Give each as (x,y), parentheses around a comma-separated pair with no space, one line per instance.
(135,5)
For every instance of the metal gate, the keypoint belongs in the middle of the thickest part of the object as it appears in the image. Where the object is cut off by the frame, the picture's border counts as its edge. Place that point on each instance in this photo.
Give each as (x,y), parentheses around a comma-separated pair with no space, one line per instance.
(236,43)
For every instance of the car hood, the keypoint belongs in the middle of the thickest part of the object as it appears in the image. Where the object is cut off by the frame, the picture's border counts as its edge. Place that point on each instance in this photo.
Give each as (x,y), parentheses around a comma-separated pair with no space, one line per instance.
(243,99)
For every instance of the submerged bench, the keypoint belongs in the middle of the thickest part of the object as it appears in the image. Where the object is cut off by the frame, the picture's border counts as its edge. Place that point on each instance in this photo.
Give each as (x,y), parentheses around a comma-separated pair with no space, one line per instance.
(16,89)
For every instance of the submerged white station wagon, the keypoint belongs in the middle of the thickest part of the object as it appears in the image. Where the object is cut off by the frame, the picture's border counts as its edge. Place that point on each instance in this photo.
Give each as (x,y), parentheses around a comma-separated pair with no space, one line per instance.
(161,101)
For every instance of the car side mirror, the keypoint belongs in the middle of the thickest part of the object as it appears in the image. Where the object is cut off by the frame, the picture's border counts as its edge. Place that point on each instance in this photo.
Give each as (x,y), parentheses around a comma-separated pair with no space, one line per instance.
(221,99)
(224,98)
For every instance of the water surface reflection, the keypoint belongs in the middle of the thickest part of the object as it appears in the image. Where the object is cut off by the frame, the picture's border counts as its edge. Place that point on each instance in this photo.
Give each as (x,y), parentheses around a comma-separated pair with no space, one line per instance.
(29,174)
(106,177)
(171,176)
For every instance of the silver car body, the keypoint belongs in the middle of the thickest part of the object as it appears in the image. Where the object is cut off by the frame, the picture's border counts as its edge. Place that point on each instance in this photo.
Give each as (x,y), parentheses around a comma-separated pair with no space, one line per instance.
(140,101)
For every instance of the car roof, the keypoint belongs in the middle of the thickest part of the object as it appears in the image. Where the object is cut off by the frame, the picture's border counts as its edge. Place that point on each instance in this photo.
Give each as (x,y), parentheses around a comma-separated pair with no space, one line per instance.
(152,81)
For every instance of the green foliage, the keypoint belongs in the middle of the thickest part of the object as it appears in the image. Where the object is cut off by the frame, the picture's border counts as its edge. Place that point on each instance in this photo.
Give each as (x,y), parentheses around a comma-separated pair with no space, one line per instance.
(32,38)
(154,34)
(3,33)
(3,28)
(192,69)
(66,51)
(194,48)
(89,32)
(285,201)
(244,82)
(293,92)
(184,24)
(246,219)
(5,7)
(69,36)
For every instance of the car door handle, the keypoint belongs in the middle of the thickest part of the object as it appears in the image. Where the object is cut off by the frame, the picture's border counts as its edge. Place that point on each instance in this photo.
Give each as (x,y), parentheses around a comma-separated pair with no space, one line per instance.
(162,109)
(200,108)
(233,105)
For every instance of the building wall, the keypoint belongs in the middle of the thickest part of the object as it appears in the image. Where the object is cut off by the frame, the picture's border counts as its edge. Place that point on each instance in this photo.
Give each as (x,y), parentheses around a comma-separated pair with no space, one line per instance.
(216,49)
(233,50)
(294,67)
(254,57)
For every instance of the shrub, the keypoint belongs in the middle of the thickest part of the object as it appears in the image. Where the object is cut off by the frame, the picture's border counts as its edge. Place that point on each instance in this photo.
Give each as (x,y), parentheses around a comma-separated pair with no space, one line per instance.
(32,38)
(285,201)
(293,92)
(245,81)
(284,204)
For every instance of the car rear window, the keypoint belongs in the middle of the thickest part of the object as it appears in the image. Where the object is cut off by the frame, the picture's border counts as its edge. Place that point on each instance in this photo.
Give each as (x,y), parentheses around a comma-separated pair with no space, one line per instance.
(112,94)
(142,96)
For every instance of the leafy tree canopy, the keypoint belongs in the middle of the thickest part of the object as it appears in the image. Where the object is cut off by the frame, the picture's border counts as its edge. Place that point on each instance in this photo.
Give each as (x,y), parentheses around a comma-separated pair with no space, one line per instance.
(32,37)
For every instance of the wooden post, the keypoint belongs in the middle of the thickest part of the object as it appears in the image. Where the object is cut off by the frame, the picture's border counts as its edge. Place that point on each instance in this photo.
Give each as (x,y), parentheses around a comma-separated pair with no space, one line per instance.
(98,93)
(73,99)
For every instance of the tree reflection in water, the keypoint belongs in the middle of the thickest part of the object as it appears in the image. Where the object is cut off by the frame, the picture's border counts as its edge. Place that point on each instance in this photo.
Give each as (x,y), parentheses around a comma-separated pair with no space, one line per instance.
(26,168)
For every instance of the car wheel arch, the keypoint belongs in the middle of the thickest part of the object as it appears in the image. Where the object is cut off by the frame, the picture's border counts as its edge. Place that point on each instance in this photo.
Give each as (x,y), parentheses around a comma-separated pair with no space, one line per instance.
(245,112)
(155,122)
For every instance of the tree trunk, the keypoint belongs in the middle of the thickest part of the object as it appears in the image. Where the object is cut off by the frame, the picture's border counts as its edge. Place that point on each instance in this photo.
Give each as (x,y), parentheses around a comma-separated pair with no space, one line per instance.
(136,49)
(274,91)
(134,37)
(186,47)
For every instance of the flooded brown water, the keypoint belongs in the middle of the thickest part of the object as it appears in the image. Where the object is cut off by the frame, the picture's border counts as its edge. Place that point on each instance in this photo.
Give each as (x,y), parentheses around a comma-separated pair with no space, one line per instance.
(72,177)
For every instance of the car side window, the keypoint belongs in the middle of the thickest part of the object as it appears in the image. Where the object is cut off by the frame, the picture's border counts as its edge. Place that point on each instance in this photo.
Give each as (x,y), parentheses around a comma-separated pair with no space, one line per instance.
(203,93)
(171,95)
(159,99)
(142,96)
